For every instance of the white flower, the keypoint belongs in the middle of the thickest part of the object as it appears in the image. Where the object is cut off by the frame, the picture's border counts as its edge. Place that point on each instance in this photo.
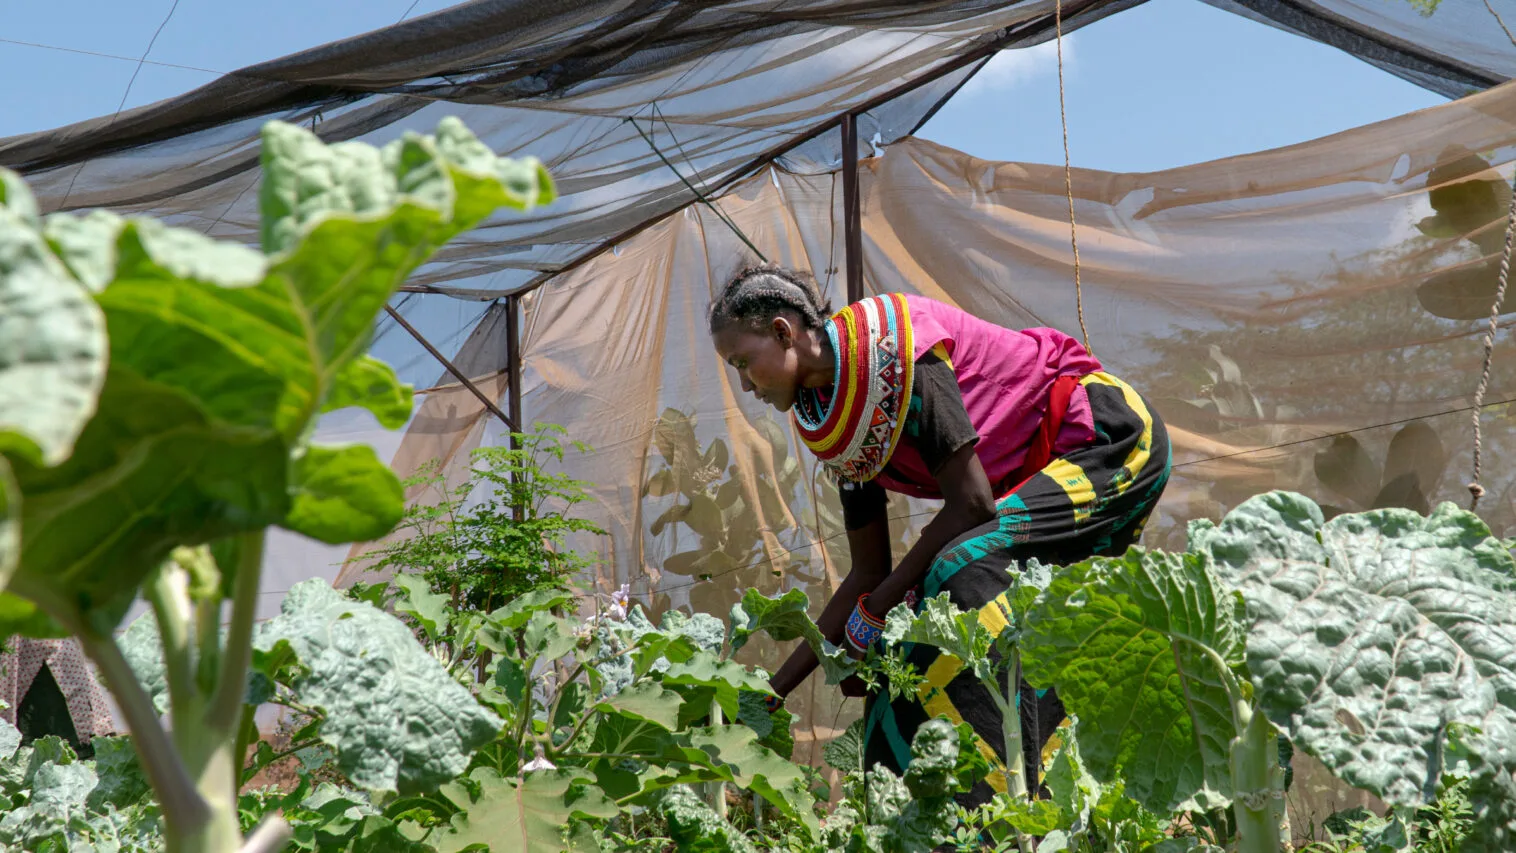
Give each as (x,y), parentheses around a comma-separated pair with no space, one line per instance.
(538,763)
(621,599)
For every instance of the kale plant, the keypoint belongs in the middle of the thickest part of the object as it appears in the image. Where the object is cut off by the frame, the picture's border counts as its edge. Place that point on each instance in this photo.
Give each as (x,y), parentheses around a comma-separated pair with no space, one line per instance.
(158,391)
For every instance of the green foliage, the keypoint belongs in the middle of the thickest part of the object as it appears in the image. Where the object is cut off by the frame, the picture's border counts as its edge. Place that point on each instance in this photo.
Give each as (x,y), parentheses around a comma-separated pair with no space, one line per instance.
(396,719)
(500,533)
(1145,650)
(1437,827)
(1379,643)
(52,802)
(786,618)
(1371,634)
(694,827)
(882,813)
(575,745)
(845,752)
(220,357)
(529,814)
(166,396)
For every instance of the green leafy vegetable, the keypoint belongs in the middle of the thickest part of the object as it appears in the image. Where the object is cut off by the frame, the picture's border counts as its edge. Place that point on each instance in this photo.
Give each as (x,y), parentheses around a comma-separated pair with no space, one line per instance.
(787,618)
(694,827)
(845,752)
(398,721)
(1371,633)
(530,815)
(1142,650)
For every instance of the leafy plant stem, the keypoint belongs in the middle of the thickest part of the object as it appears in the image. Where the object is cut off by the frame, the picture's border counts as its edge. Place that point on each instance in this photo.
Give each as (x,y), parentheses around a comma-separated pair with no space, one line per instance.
(246,732)
(183,808)
(1256,775)
(524,720)
(168,594)
(231,685)
(286,753)
(1010,728)
(563,684)
(207,647)
(579,727)
(1259,782)
(1242,710)
(602,756)
(269,837)
(296,706)
(717,790)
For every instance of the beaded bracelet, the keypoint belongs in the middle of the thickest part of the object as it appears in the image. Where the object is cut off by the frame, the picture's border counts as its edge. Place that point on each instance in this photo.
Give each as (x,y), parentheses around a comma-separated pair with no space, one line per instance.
(863,627)
(772,703)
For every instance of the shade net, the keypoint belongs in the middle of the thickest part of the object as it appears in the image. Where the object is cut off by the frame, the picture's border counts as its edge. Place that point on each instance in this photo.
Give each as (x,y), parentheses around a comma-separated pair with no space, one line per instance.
(1306,318)
(621,98)
(1309,318)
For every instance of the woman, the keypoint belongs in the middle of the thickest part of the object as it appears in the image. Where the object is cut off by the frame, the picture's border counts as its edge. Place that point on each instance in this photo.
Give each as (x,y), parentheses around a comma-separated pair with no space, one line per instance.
(1032,449)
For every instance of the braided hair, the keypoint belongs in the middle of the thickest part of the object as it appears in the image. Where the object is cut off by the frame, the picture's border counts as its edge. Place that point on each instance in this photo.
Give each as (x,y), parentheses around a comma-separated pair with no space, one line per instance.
(758,294)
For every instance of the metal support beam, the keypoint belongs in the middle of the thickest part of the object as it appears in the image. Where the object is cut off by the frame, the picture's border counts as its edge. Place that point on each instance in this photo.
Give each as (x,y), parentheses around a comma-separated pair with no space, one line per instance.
(852,213)
(451,368)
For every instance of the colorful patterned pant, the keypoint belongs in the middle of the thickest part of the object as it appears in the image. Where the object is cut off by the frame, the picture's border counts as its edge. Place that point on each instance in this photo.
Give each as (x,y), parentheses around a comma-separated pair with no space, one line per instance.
(1091,501)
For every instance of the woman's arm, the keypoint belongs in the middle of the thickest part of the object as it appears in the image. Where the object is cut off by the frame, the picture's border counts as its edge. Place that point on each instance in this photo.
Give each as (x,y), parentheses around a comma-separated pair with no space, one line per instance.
(944,434)
(869,547)
(968,502)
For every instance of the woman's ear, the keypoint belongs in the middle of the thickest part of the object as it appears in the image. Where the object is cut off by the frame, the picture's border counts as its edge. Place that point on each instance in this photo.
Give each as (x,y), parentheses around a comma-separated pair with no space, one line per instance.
(784,332)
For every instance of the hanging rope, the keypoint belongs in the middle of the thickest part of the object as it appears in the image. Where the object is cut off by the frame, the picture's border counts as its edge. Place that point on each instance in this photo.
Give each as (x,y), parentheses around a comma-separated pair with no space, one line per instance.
(1476,490)
(1068,173)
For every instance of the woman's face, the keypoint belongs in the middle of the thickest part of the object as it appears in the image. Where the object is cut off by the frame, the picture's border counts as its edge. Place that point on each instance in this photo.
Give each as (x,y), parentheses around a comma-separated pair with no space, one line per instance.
(766,360)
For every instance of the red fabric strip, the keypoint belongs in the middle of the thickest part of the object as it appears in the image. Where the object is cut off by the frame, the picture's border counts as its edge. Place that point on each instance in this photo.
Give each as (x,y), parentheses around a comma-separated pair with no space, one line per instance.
(1040,453)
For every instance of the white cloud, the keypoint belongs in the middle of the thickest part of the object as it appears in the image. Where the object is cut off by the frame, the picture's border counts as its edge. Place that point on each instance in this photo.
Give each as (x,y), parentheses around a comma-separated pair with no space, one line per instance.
(1010,68)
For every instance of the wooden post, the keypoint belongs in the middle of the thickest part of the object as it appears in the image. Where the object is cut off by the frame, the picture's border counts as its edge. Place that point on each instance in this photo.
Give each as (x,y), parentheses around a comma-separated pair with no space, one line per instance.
(852,224)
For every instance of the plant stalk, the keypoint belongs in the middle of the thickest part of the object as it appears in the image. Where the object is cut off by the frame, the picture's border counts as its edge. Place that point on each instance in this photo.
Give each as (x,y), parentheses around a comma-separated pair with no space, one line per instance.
(270,836)
(247,732)
(168,593)
(1010,732)
(1259,782)
(717,790)
(184,812)
(225,710)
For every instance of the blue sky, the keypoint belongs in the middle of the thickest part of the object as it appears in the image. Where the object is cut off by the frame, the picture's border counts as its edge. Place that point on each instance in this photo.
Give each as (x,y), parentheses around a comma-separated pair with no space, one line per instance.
(1165,84)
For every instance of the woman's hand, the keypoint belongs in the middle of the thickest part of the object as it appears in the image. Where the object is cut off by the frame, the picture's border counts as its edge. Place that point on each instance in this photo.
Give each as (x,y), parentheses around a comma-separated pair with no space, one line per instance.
(853,687)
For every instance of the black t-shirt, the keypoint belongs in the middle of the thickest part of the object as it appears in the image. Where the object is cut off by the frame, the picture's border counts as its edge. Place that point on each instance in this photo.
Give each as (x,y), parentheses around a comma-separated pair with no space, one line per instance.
(937,425)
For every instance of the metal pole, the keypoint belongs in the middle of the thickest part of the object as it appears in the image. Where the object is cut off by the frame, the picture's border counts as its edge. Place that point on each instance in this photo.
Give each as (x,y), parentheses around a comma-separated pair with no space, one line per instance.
(513,376)
(451,368)
(513,358)
(852,225)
